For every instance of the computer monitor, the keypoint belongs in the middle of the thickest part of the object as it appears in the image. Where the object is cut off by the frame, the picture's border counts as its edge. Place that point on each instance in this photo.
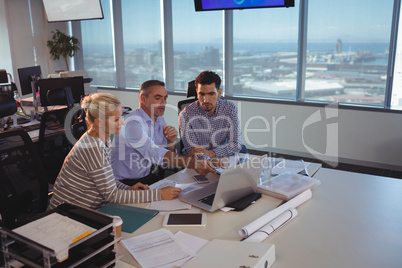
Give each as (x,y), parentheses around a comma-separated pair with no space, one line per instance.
(75,83)
(26,76)
(207,5)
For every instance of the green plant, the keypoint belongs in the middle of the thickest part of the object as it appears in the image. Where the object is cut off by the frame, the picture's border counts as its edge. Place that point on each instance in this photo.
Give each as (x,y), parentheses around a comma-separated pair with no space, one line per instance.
(63,45)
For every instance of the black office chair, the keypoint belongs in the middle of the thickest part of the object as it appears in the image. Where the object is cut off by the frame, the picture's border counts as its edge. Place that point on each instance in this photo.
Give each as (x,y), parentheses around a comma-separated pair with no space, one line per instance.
(8,107)
(53,149)
(76,123)
(23,184)
(191,96)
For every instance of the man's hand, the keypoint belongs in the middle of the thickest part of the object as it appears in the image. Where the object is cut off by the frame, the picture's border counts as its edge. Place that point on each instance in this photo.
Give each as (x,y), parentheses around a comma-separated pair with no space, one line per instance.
(218,163)
(169,193)
(139,186)
(197,150)
(170,133)
(203,167)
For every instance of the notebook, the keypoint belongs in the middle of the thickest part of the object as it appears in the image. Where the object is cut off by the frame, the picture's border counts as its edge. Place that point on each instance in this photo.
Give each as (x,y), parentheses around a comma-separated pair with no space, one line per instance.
(234,183)
(133,217)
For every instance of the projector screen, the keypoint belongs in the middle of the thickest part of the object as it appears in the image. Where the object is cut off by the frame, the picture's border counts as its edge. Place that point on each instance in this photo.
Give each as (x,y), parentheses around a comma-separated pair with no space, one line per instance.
(66,10)
(204,5)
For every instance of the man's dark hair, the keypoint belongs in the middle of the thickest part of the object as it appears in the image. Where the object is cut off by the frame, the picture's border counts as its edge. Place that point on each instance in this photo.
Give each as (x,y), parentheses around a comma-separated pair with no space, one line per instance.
(207,78)
(146,86)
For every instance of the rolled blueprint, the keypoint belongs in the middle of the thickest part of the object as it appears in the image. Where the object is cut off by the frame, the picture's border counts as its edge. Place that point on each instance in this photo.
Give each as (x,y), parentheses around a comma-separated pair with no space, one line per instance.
(264,219)
(272,226)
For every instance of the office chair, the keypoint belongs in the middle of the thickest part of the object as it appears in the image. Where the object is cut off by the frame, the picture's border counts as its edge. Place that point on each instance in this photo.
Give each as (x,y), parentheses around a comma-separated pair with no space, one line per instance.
(8,107)
(53,149)
(191,96)
(23,184)
(62,96)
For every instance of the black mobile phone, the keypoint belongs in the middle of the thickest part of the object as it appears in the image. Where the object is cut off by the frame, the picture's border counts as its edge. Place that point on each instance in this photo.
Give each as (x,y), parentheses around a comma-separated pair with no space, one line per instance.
(200,179)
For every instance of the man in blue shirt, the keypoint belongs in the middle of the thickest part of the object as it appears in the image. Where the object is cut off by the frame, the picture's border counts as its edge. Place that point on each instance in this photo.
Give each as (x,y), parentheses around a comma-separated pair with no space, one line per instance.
(145,139)
(210,126)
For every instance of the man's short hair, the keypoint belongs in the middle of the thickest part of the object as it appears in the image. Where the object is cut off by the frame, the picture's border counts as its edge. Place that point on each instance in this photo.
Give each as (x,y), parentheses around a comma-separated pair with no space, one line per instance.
(207,78)
(145,88)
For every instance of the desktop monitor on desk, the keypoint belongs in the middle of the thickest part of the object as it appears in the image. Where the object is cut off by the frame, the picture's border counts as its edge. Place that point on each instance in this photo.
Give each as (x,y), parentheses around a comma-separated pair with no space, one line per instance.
(28,75)
(76,84)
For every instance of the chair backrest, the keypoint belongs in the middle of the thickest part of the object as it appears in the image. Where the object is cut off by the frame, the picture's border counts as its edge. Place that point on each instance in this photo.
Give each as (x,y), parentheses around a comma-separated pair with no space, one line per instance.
(52,145)
(191,96)
(23,184)
(8,106)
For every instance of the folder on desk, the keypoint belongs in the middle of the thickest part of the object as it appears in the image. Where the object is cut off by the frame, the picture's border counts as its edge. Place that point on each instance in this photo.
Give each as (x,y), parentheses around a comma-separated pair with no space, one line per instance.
(133,217)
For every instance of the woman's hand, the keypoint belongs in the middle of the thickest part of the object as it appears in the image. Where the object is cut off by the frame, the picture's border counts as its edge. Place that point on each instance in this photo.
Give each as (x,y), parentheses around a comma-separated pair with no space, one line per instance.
(169,193)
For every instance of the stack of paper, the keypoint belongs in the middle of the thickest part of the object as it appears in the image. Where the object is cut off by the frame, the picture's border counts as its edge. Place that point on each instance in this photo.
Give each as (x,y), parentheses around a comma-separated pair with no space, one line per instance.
(162,249)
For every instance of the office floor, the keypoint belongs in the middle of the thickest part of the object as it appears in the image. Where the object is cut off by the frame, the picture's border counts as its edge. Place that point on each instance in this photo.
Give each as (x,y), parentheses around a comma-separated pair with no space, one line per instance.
(340,166)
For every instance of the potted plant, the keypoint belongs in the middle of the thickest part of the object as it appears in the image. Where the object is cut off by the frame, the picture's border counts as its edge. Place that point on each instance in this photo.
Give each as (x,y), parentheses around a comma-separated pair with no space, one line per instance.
(63,45)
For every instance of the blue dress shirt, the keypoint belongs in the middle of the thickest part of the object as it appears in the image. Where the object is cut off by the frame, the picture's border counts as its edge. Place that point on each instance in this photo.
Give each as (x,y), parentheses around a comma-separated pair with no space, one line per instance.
(140,144)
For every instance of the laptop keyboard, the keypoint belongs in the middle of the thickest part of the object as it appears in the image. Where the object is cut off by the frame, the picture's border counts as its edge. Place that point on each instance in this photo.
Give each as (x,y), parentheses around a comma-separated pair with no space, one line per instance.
(208,199)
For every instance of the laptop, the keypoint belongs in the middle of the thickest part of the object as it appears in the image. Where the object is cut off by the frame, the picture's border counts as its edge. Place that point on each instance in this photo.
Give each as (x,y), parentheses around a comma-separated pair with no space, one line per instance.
(234,183)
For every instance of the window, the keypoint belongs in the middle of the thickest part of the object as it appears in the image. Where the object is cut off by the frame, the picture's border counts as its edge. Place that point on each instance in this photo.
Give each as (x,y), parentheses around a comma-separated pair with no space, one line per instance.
(142,41)
(197,42)
(97,46)
(265,60)
(347,50)
(396,100)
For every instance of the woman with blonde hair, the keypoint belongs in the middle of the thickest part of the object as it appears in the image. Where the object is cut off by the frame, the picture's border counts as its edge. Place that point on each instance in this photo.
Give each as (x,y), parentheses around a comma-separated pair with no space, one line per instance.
(86,178)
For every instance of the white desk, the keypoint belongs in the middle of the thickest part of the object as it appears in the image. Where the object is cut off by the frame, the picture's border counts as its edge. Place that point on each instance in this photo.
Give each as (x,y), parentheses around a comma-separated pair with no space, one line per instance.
(353,220)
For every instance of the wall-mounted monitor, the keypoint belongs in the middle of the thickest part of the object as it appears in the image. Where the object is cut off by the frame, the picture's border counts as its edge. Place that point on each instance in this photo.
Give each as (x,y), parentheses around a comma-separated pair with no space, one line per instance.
(27,75)
(75,83)
(62,10)
(207,5)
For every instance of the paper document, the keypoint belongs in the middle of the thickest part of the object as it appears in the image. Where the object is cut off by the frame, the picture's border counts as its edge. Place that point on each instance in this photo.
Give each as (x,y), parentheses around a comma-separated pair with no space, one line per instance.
(272,226)
(266,218)
(193,243)
(290,166)
(158,249)
(232,161)
(56,232)
(169,205)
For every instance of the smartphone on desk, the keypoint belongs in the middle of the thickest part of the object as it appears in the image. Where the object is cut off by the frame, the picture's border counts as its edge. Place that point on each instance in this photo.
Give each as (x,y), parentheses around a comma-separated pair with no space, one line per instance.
(201,179)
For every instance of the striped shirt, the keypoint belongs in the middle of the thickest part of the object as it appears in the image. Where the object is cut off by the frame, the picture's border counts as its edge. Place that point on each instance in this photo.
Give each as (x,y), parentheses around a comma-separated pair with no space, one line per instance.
(86,178)
(219,132)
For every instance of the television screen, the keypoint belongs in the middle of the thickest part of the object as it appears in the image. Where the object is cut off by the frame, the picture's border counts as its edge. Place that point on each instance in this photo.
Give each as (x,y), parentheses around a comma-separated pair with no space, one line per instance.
(62,10)
(204,5)
(26,75)
(75,83)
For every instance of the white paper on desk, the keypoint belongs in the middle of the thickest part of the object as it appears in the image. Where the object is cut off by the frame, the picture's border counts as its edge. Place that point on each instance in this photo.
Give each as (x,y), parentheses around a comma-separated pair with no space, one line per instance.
(185,187)
(231,161)
(168,205)
(193,243)
(266,218)
(157,249)
(272,226)
(162,184)
(54,231)
(290,166)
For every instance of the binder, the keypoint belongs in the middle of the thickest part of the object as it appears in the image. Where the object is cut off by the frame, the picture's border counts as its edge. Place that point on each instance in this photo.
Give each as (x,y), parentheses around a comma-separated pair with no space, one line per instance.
(133,217)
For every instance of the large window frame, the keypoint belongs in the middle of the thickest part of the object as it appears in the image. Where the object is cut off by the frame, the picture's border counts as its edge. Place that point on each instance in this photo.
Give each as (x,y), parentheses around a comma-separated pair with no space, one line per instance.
(228,74)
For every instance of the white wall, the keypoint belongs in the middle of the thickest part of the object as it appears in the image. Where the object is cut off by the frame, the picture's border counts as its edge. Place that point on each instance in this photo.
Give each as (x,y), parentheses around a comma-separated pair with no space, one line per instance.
(25,50)
(357,137)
